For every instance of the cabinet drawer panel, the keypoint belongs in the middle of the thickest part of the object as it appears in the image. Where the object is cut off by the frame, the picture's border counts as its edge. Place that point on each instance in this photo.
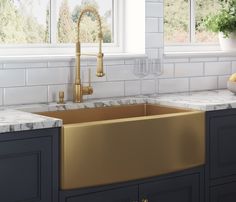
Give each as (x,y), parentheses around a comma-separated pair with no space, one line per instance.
(224,193)
(128,194)
(222,146)
(180,189)
(25,170)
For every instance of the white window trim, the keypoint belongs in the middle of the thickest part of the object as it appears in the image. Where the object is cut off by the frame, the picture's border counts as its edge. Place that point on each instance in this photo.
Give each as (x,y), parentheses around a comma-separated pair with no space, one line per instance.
(69,49)
(192,47)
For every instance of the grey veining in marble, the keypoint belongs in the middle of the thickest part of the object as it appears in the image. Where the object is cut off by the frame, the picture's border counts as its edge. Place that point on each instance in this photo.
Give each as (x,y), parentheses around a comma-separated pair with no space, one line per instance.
(21,119)
(15,120)
(204,100)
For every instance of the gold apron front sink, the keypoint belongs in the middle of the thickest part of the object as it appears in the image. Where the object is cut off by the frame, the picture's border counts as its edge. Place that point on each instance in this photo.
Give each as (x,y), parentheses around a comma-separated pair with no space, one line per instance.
(116,144)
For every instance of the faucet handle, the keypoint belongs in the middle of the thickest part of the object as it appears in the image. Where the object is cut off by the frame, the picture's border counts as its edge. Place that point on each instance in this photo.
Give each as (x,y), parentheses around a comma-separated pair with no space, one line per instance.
(88,90)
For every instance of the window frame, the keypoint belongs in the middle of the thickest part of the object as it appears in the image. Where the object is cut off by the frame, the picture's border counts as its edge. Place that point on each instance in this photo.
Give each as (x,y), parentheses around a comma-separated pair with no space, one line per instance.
(192,46)
(53,48)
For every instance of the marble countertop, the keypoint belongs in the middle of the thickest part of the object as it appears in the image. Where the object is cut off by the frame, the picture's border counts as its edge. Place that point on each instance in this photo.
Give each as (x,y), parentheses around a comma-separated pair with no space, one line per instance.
(18,118)
(203,100)
(15,120)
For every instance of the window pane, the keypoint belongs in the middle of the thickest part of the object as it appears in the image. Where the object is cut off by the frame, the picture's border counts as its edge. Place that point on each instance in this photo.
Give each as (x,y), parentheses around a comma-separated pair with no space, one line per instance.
(68,13)
(204,8)
(176,22)
(24,21)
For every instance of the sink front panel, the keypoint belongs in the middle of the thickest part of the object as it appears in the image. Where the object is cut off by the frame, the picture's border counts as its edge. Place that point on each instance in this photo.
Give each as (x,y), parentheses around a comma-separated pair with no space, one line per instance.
(112,151)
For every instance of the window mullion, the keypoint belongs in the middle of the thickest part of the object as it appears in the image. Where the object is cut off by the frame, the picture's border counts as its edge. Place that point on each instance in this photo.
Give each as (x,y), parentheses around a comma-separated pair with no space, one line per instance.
(192,21)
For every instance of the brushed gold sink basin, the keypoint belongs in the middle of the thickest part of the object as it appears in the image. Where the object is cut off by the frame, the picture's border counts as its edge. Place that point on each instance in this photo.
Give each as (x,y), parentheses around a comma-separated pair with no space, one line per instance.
(115,144)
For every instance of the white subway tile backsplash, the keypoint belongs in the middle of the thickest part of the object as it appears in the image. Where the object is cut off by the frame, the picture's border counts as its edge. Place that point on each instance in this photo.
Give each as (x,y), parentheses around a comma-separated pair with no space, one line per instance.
(53,92)
(173,85)
(132,87)
(154,9)
(233,67)
(44,76)
(168,71)
(16,65)
(152,53)
(222,81)
(203,83)
(38,65)
(161,24)
(25,95)
(217,68)
(152,25)
(188,69)
(67,63)
(204,59)
(108,89)
(12,77)
(94,78)
(154,40)
(120,73)
(175,60)
(227,58)
(148,86)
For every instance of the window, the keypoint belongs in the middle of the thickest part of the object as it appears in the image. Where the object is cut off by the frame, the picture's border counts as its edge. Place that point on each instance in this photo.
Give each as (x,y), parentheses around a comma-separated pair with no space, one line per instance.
(30,22)
(183,22)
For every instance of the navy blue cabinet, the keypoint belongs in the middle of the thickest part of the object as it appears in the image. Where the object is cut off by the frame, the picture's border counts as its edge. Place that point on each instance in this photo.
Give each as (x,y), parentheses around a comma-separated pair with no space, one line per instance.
(220,182)
(179,189)
(223,193)
(126,194)
(184,186)
(29,166)
(222,146)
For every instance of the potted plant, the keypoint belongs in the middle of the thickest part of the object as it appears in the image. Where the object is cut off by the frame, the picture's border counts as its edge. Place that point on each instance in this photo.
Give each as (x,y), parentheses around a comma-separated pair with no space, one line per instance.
(224,23)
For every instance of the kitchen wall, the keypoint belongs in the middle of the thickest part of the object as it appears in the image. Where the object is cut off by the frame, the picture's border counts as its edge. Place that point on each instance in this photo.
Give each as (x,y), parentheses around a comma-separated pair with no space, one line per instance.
(38,80)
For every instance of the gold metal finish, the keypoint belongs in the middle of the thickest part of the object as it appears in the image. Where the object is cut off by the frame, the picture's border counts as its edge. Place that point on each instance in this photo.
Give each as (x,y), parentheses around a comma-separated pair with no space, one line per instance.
(79,89)
(115,144)
(61,98)
(110,113)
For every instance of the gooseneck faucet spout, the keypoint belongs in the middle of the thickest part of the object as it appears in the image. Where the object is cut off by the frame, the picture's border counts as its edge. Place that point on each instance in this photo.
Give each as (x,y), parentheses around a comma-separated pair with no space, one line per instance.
(80,90)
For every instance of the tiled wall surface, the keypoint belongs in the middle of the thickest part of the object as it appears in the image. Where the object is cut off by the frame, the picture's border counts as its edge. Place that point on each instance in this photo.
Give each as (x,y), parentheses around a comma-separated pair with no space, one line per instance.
(40,81)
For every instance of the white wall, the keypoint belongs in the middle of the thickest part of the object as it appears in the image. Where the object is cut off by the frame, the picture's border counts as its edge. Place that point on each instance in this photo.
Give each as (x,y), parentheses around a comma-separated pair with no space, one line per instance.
(39,80)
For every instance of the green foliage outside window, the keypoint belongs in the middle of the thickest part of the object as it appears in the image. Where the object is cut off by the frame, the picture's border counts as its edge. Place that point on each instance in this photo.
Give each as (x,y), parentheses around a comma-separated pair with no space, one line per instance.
(225,20)
(15,27)
(20,24)
(67,24)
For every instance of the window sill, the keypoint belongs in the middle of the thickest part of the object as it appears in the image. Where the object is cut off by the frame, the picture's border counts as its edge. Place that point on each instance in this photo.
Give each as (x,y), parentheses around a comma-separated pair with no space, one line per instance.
(199,54)
(36,58)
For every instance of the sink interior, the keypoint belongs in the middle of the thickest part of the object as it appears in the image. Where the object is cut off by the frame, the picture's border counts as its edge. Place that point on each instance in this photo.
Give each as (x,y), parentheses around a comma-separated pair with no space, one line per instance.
(109,113)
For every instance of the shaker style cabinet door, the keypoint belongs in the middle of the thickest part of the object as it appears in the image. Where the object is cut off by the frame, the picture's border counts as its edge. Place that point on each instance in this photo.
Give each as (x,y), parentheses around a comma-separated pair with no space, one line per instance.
(223,193)
(222,146)
(179,189)
(126,194)
(26,170)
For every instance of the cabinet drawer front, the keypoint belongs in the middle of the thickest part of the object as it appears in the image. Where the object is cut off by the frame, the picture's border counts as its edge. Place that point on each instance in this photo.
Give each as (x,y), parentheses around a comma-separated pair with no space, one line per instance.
(224,193)
(179,189)
(25,170)
(128,194)
(222,146)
